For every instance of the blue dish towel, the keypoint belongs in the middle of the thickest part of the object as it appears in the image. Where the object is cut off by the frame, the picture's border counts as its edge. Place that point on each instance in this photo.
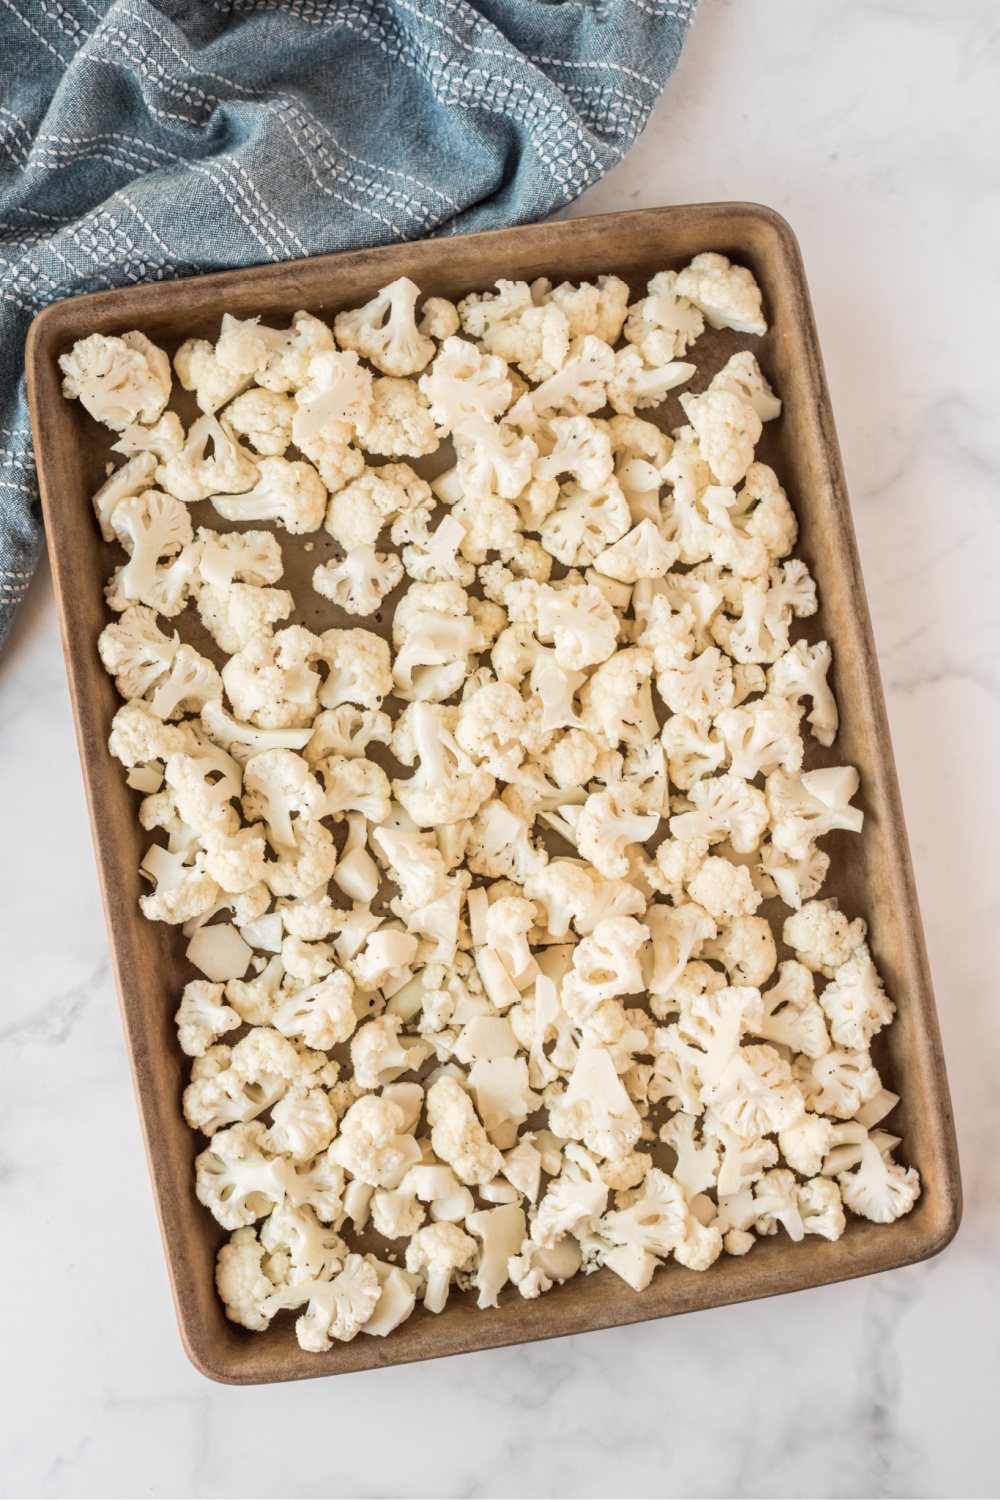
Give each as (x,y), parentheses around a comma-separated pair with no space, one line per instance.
(142,142)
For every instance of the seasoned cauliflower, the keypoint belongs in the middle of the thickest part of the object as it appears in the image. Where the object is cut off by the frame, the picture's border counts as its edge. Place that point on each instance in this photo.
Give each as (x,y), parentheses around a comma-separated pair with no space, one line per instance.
(480,897)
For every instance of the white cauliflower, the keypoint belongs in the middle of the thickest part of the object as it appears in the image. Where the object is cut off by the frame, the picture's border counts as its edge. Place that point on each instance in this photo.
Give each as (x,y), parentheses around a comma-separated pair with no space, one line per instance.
(385,330)
(117,380)
(510,325)
(360,581)
(398,422)
(728,295)
(265,419)
(663,324)
(292,494)
(392,496)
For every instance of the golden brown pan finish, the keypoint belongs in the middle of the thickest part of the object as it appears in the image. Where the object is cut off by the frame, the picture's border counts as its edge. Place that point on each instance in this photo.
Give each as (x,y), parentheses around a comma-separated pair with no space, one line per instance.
(871,874)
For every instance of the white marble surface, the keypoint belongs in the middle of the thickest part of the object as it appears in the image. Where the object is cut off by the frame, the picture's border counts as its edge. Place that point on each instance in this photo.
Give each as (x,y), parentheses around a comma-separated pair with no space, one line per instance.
(872,125)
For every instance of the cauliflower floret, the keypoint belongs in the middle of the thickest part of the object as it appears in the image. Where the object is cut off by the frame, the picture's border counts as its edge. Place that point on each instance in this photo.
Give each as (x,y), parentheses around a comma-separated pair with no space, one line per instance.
(792,1017)
(756,1094)
(585,522)
(399,421)
(396,1215)
(355,785)
(820,1208)
(433,558)
(609,825)
(656,1220)
(237,861)
(724,807)
(191,475)
(879,1189)
(802,673)
(700,688)
(762,736)
(806,1143)
(509,324)
(392,495)
(385,331)
(265,418)
(493,459)
(616,701)
(579,447)
(150,526)
(837,1083)
(489,524)
(237,1179)
(742,375)
(138,736)
(579,386)
(298,871)
(292,494)
(771,519)
(377,1055)
(271,682)
(497,727)
(434,631)
(235,615)
(766,606)
(191,683)
(641,553)
(856,1002)
(573,1201)
(346,731)
(664,323)
(447,786)
(723,889)
(278,785)
(204,805)
(676,863)
(822,937)
(133,478)
(746,949)
(371,1144)
(334,401)
(182,893)
(633,385)
(805,807)
(463,382)
(303,1123)
(599,309)
(457,1136)
(579,622)
(728,295)
(321,1014)
(437,1252)
(136,652)
(278,358)
(440,318)
(117,380)
(199,370)
(693,750)
(728,431)
(242,1282)
(359,672)
(337,1309)
(360,581)
(203,1017)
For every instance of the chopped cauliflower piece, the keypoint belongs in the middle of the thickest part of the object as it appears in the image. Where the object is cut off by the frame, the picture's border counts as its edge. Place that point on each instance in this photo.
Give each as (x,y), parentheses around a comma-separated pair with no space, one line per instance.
(117,380)
(728,295)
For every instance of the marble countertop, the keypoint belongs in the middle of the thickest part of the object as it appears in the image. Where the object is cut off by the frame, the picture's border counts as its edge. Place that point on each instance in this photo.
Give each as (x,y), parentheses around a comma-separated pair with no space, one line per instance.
(872,126)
